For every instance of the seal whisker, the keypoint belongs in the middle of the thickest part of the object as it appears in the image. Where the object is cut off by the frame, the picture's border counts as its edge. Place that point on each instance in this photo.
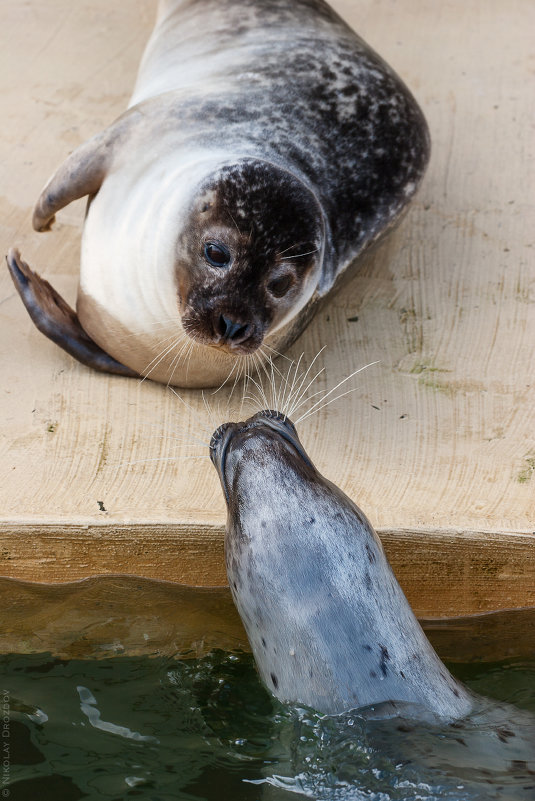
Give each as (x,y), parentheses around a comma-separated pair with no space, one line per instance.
(313,411)
(275,393)
(246,368)
(259,386)
(191,409)
(156,459)
(175,361)
(240,363)
(226,379)
(208,410)
(232,218)
(300,391)
(255,399)
(271,384)
(264,360)
(189,354)
(290,386)
(273,369)
(156,361)
(253,380)
(183,355)
(298,255)
(277,353)
(303,397)
(181,435)
(295,245)
(145,372)
(315,405)
(299,394)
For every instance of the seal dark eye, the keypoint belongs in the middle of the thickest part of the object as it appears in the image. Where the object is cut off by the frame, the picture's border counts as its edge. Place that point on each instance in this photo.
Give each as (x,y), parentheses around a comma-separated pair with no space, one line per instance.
(280,286)
(216,254)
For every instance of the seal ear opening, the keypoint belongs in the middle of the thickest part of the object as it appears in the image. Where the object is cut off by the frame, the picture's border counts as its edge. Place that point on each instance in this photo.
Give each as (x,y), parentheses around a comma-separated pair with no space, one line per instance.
(82,173)
(55,319)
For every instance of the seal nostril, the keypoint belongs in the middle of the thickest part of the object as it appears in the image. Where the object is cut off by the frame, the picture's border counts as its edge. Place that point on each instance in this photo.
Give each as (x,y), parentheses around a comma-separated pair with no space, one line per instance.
(222,326)
(232,330)
(271,414)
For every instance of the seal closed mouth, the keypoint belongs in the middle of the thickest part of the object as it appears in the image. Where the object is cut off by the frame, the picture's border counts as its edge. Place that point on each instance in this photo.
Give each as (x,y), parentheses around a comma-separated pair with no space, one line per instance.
(271,421)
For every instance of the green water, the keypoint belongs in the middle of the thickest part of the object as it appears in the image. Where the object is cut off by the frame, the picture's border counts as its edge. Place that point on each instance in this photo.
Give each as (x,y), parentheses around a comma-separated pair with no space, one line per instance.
(205,728)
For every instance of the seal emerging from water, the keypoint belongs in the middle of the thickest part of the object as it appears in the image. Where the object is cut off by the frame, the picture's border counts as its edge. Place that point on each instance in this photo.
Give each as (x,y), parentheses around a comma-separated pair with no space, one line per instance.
(331,629)
(327,621)
(265,148)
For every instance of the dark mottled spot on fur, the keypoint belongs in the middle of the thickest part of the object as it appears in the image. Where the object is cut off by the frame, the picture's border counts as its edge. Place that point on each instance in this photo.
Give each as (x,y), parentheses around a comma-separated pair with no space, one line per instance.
(275,680)
(373,674)
(385,657)
(405,727)
(504,734)
(461,741)
(370,554)
(401,673)
(456,692)
(367,647)
(263,642)
(368,581)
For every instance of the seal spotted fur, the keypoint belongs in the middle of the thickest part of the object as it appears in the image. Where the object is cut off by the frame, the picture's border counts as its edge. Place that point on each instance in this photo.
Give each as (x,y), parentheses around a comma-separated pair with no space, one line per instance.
(327,621)
(331,629)
(266,147)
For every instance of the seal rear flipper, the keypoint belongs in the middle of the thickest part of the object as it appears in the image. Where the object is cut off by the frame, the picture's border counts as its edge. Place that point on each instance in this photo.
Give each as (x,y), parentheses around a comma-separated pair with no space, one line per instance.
(55,319)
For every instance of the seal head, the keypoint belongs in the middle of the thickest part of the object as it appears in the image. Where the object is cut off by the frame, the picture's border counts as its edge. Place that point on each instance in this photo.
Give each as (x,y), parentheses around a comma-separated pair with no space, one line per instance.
(327,621)
(249,257)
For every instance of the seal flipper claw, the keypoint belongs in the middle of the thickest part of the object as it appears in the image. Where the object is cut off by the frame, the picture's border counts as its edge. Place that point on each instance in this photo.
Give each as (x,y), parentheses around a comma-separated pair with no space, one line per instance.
(55,319)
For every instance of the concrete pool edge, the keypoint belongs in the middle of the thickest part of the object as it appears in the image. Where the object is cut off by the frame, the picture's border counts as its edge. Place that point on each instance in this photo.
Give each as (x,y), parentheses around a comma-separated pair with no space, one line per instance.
(444,572)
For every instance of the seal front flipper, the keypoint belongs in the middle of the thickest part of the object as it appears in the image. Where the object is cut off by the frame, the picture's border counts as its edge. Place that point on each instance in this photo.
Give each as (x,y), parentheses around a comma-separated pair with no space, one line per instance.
(83,172)
(55,319)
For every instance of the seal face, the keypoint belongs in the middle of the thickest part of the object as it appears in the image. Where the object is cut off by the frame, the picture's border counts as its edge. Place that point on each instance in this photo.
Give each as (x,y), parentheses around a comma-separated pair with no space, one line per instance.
(261,155)
(327,621)
(239,280)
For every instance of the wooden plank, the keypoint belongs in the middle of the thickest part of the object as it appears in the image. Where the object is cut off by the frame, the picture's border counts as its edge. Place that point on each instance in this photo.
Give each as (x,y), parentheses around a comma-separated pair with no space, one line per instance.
(439,437)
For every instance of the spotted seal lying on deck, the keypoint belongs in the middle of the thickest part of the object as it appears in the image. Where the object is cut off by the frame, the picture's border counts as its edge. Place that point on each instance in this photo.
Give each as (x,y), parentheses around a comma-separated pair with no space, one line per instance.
(265,148)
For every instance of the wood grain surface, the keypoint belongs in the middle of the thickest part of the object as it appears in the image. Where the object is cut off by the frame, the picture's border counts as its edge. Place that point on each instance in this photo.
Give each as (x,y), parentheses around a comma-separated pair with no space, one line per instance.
(100,475)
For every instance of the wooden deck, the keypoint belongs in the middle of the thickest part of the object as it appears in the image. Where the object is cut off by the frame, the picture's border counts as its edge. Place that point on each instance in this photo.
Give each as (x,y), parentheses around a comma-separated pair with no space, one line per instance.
(437,443)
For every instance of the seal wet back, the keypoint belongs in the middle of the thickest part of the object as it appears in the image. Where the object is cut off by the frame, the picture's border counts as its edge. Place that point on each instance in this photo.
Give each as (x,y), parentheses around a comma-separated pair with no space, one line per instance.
(265,149)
